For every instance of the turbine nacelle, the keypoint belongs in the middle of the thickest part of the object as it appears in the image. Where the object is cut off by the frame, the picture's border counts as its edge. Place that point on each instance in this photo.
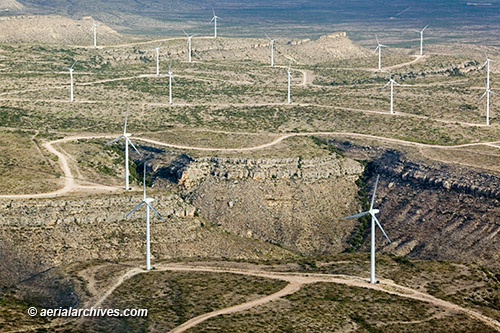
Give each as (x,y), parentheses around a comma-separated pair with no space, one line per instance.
(379,46)
(488,91)
(371,212)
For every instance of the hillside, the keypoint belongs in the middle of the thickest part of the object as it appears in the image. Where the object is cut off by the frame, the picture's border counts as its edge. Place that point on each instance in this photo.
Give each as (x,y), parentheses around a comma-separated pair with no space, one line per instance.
(53,30)
(10,6)
(334,46)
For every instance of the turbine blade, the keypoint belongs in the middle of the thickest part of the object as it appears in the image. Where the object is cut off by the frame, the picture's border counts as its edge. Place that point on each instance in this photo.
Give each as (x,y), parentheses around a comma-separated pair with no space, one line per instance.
(170,66)
(114,140)
(380,226)
(185,33)
(157,214)
(482,96)
(425,27)
(133,146)
(494,93)
(377,39)
(136,208)
(374,192)
(73,64)
(356,215)
(386,84)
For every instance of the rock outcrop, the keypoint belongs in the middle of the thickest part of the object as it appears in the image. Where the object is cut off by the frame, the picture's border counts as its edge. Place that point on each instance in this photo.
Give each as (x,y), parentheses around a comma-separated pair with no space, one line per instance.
(441,176)
(189,172)
(84,210)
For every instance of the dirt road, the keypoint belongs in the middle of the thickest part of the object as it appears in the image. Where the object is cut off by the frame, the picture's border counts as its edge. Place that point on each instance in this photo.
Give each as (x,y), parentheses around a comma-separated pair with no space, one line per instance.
(70,184)
(295,282)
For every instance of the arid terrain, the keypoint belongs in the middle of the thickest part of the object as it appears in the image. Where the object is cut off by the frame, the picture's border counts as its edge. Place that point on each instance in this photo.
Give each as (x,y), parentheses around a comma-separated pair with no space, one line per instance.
(252,189)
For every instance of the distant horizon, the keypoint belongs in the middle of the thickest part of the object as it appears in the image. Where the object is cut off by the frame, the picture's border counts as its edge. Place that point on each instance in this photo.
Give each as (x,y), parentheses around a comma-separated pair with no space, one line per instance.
(306,18)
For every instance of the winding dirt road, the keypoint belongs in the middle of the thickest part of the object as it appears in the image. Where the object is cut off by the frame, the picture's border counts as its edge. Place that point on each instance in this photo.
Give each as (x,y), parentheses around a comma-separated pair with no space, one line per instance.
(69,180)
(295,282)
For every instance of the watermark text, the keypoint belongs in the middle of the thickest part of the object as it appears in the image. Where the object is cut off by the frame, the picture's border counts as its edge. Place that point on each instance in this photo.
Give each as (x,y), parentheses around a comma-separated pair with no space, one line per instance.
(91,312)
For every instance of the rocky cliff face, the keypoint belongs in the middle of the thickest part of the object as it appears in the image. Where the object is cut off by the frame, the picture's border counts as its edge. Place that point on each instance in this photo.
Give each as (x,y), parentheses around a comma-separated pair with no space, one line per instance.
(38,234)
(85,210)
(437,211)
(460,180)
(189,172)
(296,203)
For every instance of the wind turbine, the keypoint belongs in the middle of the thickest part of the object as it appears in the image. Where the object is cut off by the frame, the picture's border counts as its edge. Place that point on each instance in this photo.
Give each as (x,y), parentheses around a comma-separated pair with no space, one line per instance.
(125,136)
(94,31)
(146,201)
(170,79)
(71,79)
(157,59)
(379,48)
(289,79)
(374,219)
(422,39)
(189,44)
(271,47)
(487,94)
(487,65)
(488,90)
(214,19)
(391,82)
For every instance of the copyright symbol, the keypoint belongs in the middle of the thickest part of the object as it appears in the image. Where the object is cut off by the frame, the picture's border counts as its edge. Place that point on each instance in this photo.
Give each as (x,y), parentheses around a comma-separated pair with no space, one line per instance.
(32,311)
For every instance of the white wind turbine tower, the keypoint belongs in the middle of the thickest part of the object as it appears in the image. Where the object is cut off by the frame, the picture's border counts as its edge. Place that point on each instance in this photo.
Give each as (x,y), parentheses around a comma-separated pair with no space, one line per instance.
(189,44)
(71,80)
(391,82)
(271,47)
(374,220)
(488,90)
(157,49)
(289,80)
(146,201)
(94,31)
(379,48)
(487,94)
(214,19)
(125,136)
(170,79)
(422,39)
